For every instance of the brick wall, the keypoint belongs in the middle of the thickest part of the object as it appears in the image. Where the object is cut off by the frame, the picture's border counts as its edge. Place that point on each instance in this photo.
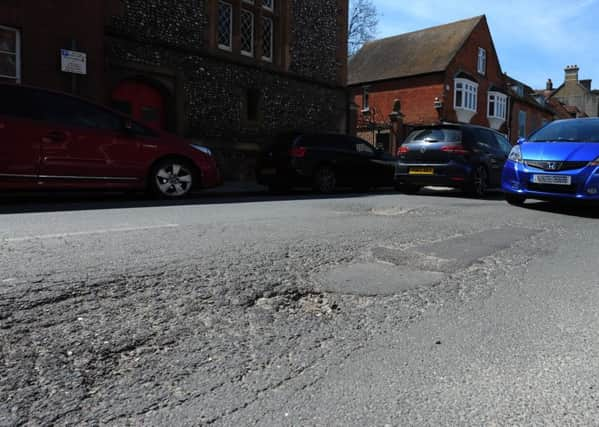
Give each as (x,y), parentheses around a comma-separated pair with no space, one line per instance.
(416,94)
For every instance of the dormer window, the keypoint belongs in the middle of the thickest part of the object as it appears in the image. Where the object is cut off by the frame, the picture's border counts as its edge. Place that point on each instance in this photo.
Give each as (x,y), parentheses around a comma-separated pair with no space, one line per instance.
(482,61)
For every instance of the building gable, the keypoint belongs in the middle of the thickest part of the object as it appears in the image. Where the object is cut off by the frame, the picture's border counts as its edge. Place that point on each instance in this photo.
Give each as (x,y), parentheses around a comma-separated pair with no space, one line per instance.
(420,52)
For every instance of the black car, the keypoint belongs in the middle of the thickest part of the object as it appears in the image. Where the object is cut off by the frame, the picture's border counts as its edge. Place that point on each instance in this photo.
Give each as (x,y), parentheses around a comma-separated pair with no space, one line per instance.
(452,155)
(324,162)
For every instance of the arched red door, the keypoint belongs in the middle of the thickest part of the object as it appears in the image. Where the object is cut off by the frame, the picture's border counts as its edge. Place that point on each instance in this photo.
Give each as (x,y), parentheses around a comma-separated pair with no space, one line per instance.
(142,102)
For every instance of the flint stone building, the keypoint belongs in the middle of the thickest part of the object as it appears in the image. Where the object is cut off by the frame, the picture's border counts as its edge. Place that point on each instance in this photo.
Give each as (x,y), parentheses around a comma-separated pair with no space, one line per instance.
(230,73)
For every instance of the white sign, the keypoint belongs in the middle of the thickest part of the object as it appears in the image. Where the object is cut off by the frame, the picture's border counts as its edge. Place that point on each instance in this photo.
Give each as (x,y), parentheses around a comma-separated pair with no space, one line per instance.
(73,62)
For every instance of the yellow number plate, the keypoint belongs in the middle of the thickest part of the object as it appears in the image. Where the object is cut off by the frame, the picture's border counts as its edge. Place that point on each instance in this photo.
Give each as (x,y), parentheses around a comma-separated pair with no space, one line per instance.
(422,171)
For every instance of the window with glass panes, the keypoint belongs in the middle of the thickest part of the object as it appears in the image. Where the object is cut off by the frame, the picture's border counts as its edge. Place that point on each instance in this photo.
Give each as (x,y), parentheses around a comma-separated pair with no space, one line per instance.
(247,32)
(248,27)
(466,94)
(10,53)
(225,25)
(497,105)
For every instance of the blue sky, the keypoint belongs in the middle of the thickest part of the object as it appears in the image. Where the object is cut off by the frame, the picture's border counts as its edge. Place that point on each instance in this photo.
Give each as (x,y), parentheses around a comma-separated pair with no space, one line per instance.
(535,39)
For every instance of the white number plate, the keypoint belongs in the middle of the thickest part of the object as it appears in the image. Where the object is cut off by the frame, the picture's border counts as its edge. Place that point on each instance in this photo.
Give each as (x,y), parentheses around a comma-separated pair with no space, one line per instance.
(552,179)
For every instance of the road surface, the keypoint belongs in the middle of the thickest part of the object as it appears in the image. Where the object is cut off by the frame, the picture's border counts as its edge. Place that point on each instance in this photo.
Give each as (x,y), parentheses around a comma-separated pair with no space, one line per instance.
(381,309)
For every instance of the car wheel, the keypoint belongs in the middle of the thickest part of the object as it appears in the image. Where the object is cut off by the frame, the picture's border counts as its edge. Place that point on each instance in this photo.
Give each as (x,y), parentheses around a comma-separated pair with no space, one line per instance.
(407,188)
(515,200)
(172,178)
(480,179)
(325,180)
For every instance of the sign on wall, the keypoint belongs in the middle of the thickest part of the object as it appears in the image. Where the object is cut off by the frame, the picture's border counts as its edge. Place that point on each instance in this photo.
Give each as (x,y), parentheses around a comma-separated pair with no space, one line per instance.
(73,62)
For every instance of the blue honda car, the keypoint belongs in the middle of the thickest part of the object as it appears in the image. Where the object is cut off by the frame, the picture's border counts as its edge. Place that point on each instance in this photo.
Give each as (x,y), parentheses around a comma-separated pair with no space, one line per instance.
(559,161)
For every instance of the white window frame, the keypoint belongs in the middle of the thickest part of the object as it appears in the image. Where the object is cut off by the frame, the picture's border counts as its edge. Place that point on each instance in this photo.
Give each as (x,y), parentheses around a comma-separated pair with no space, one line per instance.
(272,39)
(481,65)
(17,54)
(365,98)
(469,91)
(228,48)
(269,8)
(500,105)
(253,32)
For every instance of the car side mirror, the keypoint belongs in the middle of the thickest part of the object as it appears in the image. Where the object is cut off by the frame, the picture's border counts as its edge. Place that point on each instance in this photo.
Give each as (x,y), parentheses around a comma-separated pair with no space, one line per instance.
(520,141)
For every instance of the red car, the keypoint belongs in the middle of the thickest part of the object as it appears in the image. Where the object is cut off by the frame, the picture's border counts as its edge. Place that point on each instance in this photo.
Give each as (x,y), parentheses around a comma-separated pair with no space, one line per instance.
(50,140)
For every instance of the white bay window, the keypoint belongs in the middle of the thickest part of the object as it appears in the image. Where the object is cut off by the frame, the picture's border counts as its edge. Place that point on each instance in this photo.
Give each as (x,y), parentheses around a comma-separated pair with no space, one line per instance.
(496,109)
(465,99)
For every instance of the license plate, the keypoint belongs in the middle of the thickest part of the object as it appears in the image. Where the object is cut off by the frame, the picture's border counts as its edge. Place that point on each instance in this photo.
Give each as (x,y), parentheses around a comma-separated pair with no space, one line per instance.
(422,171)
(552,179)
(270,171)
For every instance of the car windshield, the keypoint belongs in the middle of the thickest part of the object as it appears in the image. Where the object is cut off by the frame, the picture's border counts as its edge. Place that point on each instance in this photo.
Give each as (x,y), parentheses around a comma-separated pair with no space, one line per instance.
(434,135)
(568,131)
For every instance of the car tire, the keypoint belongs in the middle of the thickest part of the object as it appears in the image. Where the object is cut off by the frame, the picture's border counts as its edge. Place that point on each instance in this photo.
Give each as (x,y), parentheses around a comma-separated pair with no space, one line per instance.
(515,200)
(480,182)
(408,188)
(324,180)
(173,178)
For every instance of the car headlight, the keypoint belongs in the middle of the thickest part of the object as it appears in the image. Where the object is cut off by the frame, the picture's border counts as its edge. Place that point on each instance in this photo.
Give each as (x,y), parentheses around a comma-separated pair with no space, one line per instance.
(516,154)
(595,162)
(203,149)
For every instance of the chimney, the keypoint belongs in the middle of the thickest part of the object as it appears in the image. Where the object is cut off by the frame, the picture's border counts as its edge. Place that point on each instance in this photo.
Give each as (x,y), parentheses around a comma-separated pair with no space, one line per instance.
(572,73)
(586,83)
(549,84)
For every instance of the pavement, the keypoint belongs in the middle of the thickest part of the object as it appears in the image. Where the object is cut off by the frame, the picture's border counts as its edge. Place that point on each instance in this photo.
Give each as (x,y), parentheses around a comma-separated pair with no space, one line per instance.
(350,309)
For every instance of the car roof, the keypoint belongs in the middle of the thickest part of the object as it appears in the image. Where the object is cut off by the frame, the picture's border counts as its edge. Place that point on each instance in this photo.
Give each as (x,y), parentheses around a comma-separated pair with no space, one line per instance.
(455,126)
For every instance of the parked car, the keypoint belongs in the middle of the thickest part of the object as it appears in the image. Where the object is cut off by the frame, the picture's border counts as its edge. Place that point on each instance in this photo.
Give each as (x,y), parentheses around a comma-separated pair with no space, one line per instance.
(50,140)
(323,162)
(559,161)
(452,155)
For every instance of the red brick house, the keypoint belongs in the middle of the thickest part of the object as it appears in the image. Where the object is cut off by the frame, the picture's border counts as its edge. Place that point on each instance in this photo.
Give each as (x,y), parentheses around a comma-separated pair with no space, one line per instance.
(527,112)
(449,73)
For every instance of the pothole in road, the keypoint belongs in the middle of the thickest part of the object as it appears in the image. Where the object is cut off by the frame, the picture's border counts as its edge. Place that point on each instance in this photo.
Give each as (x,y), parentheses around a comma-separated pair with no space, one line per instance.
(317,304)
(372,279)
(426,265)
(455,253)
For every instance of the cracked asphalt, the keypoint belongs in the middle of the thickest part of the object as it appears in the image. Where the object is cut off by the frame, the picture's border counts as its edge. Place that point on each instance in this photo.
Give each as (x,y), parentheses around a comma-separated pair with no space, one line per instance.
(381,309)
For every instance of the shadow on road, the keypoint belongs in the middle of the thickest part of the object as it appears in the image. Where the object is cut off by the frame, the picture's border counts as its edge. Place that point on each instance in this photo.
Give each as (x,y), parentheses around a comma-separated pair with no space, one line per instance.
(78,201)
(566,207)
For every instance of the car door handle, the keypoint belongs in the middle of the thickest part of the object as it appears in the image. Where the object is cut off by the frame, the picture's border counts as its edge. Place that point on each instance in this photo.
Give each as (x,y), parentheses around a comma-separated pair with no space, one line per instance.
(55,137)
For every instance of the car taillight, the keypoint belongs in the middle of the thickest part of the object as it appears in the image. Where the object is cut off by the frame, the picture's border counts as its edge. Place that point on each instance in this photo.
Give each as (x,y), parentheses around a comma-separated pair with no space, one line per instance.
(455,149)
(402,150)
(298,152)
